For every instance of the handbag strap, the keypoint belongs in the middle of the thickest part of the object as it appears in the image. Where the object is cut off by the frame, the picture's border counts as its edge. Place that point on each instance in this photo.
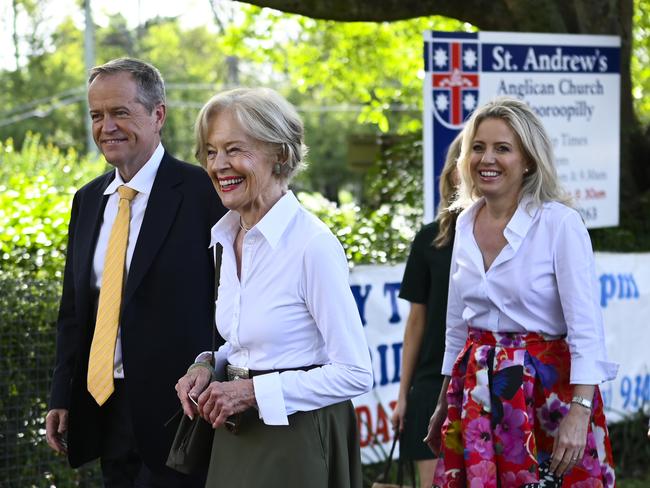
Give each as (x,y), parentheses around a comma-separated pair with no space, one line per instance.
(400,465)
(411,465)
(218,254)
(400,470)
(389,459)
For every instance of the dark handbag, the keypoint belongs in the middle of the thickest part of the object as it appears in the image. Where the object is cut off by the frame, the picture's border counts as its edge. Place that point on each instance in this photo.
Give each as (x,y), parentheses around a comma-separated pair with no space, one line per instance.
(383,479)
(192,446)
(191,449)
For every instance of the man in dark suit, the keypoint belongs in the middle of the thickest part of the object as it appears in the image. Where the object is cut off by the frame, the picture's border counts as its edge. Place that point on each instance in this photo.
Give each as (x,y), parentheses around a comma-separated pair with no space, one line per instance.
(160,318)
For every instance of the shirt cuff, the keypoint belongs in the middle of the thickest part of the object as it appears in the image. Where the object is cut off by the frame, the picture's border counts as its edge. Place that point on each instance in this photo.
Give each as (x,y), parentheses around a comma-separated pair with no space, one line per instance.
(586,371)
(448,362)
(270,401)
(205,356)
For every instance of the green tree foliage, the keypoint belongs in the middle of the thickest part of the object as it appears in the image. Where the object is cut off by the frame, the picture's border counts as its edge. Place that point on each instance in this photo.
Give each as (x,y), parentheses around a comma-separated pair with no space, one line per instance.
(190,61)
(641,60)
(378,236)
(346,78)
(193,67)
(376,67)
(45,94)
(397,175)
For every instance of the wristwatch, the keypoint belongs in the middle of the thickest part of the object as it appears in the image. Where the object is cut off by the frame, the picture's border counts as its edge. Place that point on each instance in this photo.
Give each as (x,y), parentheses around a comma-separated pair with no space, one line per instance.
(582,401)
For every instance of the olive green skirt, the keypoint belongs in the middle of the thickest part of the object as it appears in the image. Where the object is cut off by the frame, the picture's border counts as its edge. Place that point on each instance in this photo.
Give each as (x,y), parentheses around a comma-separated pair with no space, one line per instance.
(318,449)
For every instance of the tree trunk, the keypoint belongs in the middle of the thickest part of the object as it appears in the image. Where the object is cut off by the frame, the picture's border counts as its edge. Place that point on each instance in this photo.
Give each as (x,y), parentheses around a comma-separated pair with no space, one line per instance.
(604,17)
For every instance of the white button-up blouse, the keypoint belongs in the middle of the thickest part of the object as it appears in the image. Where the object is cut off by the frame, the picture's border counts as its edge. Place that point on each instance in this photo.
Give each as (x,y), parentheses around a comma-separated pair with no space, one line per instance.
(542,281)
(291,308)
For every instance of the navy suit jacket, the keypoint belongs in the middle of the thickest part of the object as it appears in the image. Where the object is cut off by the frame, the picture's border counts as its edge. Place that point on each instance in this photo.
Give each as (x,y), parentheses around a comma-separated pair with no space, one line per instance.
(167,308)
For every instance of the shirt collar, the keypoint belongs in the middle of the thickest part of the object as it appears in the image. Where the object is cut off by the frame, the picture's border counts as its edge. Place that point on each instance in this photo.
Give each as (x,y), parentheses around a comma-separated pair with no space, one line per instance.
(522,219)
(225,230)
(272,225)
(143,180)
(519,223)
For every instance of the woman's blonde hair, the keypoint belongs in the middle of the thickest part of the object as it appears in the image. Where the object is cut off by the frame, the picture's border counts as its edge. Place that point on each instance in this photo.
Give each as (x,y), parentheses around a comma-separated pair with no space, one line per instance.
(448,188)
(541,182)
(266,116)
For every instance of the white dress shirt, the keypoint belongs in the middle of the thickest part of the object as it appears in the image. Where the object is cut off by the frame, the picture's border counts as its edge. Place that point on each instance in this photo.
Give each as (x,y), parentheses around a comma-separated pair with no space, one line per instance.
(142,182)
(291,308)
(543,281)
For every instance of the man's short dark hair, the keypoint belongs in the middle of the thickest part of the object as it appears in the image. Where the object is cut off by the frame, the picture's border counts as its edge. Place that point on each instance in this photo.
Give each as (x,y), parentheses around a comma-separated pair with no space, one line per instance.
(151,87)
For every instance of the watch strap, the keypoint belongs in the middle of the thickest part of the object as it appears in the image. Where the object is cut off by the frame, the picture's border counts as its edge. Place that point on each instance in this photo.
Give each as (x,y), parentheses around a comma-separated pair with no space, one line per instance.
(582,401)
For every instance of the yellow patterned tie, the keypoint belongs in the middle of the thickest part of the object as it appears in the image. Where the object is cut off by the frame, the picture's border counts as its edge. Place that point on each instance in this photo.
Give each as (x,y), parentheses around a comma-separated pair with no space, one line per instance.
(102,350)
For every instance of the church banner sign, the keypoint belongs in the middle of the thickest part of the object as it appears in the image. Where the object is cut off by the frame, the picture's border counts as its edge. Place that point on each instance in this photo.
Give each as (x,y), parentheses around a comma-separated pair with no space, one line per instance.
(572,82)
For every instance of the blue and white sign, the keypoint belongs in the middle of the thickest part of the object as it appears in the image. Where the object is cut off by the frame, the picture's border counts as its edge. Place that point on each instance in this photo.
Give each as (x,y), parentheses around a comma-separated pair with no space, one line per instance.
(572,82)
(454,80)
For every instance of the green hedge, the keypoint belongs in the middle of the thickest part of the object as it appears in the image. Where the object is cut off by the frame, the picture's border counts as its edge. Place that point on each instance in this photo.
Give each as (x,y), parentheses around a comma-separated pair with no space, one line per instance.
(36,188)
(28,311)
(378,236)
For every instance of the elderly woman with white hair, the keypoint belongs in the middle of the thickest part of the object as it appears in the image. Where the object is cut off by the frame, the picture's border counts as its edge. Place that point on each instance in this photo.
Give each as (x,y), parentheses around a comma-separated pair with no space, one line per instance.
(525,348)
(295,347)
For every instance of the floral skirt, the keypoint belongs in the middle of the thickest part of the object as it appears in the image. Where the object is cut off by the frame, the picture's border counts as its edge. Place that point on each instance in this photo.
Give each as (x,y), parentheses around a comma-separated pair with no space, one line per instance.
(507,395)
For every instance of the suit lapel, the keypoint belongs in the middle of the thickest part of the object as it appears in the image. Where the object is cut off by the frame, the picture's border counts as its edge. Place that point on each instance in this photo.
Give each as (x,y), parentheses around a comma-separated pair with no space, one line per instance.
(87,230)
(158,218)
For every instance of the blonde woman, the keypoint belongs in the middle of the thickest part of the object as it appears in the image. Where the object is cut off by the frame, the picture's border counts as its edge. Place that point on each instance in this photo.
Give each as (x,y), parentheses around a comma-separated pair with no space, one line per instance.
(525,347)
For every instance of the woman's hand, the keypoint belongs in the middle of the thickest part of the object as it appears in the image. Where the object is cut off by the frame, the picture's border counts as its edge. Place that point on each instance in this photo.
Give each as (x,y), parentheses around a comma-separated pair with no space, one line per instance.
(434,438)
(434,433)
(397,419)
(569,444)
(221,400)
(190,386)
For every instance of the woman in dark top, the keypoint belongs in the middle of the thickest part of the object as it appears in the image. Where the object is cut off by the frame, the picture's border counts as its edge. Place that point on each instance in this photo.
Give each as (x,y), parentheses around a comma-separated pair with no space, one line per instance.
(425,283)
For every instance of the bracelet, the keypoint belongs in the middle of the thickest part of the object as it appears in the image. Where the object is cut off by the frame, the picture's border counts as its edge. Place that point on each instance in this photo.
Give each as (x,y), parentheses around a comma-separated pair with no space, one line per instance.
(583,402)
(203,364)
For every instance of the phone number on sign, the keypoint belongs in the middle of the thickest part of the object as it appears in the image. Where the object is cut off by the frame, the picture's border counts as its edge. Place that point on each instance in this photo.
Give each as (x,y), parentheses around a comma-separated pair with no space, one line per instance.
(635,391)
